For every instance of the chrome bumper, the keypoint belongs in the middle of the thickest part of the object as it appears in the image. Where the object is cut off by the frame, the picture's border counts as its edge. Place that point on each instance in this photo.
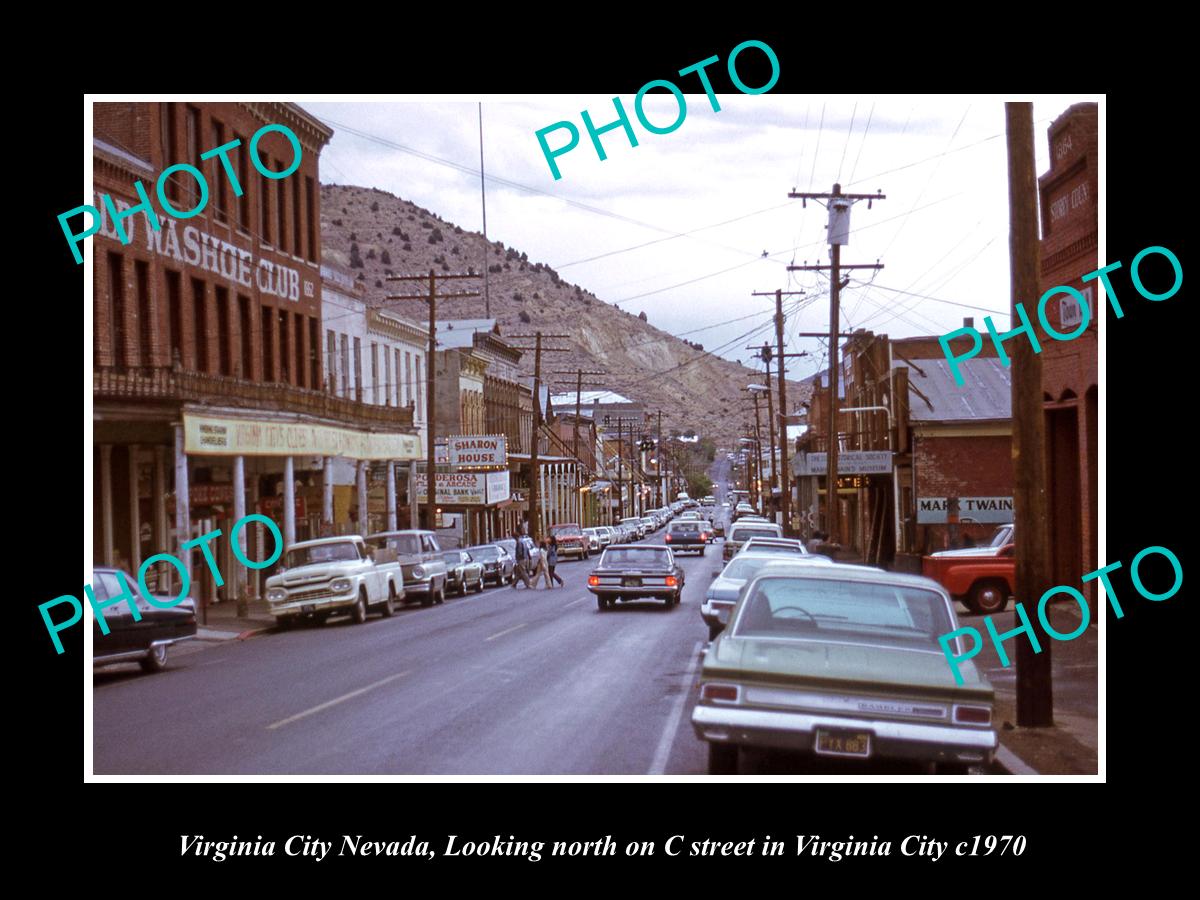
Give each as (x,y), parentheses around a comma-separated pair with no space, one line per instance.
(797,731)
(135,655)
(297,607)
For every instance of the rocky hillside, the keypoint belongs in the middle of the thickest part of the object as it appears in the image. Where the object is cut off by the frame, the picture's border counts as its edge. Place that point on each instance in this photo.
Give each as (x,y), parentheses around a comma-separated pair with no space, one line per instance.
(374,233)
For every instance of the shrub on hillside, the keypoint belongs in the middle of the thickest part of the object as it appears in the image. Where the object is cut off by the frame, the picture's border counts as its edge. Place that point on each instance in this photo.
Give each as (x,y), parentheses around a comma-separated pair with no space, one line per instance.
(397,231)
(371,253)
(408,246)
(385,258)
(524,317)
(435,236)
(375,206)
(337,222)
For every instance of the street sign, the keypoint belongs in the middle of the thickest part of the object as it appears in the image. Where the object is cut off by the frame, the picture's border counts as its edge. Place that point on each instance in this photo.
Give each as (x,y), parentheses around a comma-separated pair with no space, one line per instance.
(850,462)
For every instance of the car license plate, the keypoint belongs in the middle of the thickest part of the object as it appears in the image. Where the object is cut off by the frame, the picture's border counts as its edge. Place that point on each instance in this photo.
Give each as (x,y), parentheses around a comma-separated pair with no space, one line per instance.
(631,582)
(308,608)
(843,743)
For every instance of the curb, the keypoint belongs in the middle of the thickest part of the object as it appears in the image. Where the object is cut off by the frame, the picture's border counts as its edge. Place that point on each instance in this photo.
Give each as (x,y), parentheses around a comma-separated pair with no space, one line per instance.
(1011,764)
(254,632)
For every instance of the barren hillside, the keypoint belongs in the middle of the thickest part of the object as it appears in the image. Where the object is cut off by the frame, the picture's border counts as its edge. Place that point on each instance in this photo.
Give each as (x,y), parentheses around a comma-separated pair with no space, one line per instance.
(375,234)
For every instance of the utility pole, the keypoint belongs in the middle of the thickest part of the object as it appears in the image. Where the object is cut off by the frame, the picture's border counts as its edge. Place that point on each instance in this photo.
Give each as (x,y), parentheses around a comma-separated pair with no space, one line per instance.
(621,421)
(839,233)
(534,474)
(487,297)
(1035,692)
(785,489)
(578,373)
(430,380)
(658,454)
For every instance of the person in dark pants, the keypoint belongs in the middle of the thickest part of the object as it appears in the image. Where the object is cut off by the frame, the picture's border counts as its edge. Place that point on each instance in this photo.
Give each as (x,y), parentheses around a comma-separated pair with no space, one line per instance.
(552,561)
(520,569)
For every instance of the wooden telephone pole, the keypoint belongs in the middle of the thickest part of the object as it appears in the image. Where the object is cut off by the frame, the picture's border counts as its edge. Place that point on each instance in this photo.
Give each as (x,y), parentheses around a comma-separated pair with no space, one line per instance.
(1035,693)
(621,422)
(578,373)
(839,233)
(430,519)
(534,475)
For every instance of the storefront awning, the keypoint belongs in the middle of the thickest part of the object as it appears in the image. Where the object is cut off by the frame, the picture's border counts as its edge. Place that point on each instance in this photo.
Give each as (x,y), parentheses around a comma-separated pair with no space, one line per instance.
(227,436)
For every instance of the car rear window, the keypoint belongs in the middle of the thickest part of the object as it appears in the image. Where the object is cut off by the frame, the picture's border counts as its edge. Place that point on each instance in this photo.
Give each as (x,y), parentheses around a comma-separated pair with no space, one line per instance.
(807,607)
(745,532)
(685,526)
(743,567)
(634,556)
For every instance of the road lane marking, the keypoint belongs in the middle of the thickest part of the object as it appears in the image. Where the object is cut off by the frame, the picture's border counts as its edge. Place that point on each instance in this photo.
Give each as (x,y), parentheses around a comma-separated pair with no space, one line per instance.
(335,701)
(505,631)
(659,765)
(573,602)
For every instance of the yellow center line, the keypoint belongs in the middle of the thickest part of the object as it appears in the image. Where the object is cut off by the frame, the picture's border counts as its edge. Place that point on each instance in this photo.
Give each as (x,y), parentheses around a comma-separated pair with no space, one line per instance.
(505,631)
(335,701)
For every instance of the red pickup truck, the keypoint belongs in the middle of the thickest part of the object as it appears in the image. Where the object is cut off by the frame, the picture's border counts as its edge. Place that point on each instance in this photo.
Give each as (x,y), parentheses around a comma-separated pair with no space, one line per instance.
(571,540)
(983,581)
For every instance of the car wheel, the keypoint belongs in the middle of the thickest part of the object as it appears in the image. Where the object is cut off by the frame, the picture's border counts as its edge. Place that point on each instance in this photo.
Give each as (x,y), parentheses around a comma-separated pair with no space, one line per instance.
(722,759)
(441,594)
(285,623)
(988,597)
(389,605)
(156,659)
(479,585)
(601,603)
(430,598)
(358,614)
(713,631)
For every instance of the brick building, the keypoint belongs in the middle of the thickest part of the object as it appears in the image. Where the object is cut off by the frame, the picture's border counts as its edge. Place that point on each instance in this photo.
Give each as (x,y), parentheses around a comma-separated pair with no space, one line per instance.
(1069,368)
(208,399)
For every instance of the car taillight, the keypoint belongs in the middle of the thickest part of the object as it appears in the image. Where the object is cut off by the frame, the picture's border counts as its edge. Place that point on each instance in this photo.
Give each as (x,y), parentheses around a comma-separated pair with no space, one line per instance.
(671,581)
(668,539)
(704,536)
(719,693)
(593,580)
(973,715)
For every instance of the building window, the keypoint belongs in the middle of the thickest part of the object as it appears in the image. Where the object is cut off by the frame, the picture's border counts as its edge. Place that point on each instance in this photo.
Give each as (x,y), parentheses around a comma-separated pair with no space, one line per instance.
(311,208)
(301,370)
(374,372)
(193,150)
(145,324)
(174,317)
(200,323)
(330,361)
(217,185)
(398,401)
(243,202)
(224,342)
(285,358)
(247,370)
(116,321)
(387,377)
(344,360)
(358,385)
(268,343)
(297,208)
(170,145)
(408,378)
(264,209)
(281,197)
(419,386)
(314,354)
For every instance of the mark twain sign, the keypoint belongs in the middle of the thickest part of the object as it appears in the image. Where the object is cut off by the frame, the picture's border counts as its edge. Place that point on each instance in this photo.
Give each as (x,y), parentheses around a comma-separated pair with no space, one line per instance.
(477,450)
(933,510)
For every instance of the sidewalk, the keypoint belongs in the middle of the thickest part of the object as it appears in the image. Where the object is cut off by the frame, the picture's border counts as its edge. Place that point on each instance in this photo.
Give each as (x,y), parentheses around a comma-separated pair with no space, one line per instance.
(224,624)
(1071,745)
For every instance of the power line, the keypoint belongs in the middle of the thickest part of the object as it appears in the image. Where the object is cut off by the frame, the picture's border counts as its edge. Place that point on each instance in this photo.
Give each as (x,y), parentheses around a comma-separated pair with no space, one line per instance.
(846,146)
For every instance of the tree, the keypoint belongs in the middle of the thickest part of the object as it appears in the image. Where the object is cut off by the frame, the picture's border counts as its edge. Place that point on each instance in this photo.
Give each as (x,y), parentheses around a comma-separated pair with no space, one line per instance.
(385,258)
(642,315)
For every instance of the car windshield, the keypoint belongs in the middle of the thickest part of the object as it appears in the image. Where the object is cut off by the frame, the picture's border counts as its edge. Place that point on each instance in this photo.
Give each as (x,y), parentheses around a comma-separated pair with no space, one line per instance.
(486,553)
(789,607)
(744,567)
(452,558)
(1000,538)
(769,547)
(634,556)
(401,543)
(565,529)
(741,533)
(322,553)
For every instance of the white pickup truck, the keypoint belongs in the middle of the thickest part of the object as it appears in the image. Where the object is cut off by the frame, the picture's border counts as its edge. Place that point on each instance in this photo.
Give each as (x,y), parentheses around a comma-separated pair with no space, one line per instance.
(335,575)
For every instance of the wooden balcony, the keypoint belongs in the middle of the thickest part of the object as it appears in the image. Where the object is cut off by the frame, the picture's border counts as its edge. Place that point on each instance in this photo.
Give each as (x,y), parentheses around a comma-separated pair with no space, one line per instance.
(161,383)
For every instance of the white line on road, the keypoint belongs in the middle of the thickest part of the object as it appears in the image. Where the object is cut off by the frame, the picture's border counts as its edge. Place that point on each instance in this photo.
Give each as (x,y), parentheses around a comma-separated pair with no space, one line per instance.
(335,701)
(661,755)
(573,602)
(505,631)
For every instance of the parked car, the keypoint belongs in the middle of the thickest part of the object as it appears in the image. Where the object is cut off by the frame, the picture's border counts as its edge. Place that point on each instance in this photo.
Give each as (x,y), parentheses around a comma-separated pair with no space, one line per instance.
(775,545)
(983,583)
(511,547)
(740,532)
(742,509)
(144,640)
(627,572)
(608,535)
(649,525)
(1001,537)
(496,561)
(571,540)
(842,661)
(718,529)
(727,583)
(420,558)
(637,530)
(690,536)
(329,576)
(595,545)
(463,572)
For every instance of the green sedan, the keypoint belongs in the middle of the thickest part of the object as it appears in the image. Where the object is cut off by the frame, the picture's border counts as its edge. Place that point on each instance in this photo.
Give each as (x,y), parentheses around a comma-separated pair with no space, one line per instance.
(842,661)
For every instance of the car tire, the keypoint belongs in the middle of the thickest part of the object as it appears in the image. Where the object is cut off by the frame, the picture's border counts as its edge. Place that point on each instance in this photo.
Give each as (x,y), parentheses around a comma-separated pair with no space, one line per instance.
(988,597)
(601,603)
(722,759)
(358,614)
(389,605)
(441,594)
(285,623)
(156,659)
(713,631)
(430,598)
(479,585)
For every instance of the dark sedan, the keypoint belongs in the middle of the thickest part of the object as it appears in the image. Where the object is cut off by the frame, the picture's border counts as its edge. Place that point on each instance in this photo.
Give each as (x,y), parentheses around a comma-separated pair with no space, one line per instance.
(144,639)
(688,535)
(497,563)
(627,572)
(463,572)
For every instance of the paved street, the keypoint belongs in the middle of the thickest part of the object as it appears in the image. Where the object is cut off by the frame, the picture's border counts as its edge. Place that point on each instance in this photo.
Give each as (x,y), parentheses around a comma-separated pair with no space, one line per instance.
(504,682)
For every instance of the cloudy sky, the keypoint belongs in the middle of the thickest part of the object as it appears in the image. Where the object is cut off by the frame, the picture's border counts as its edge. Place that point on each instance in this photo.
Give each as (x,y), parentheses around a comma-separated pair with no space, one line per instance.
(677,226)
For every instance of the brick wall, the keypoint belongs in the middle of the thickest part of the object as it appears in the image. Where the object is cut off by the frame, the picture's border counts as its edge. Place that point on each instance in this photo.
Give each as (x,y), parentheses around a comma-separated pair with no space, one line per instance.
(961,467)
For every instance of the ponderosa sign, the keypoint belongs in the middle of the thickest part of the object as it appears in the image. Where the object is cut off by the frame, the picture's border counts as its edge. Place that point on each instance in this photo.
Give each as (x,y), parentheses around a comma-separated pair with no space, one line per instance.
(477,450)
